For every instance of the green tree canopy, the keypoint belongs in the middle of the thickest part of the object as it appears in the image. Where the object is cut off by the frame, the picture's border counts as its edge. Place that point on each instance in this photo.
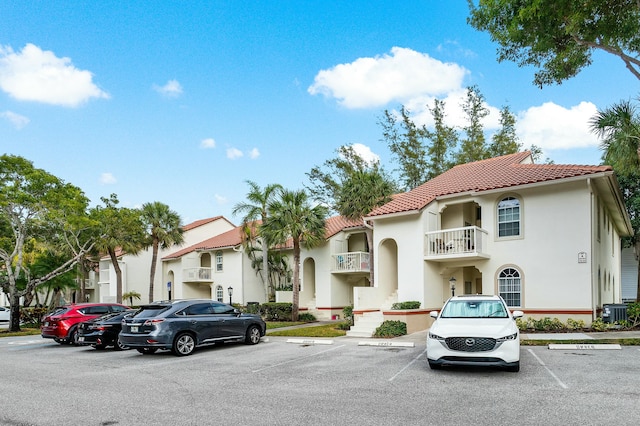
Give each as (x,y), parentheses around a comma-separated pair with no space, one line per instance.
(121,229)
(293,217)
(559,37)
(164,229)
(38,211)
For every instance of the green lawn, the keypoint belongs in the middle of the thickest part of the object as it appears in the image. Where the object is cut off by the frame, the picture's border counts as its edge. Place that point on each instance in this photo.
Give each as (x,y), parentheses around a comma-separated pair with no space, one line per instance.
(327,330)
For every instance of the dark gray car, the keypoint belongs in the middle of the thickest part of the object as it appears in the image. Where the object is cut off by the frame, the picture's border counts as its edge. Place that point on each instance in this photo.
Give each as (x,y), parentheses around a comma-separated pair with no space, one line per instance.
(183,325)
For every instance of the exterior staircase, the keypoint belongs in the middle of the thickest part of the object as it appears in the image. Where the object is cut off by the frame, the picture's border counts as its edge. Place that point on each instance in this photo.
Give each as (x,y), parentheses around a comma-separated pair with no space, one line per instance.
(367,323)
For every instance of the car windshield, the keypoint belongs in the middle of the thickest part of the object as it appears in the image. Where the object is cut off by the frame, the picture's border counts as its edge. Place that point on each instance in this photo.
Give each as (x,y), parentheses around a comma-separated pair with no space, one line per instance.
(474,309)
(151,311)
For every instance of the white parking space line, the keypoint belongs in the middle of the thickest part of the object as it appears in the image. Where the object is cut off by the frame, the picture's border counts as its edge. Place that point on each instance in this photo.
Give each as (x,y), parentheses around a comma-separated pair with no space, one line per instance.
(562,385)
(408,365)
(297,359)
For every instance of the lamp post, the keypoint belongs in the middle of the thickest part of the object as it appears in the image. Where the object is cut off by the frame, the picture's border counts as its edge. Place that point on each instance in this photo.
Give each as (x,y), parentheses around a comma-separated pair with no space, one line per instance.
(452,284)
(230,290)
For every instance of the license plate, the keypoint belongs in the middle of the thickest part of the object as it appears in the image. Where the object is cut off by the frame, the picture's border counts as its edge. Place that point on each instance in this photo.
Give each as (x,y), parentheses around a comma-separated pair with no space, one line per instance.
(81,339)
(134,329)
(46,323)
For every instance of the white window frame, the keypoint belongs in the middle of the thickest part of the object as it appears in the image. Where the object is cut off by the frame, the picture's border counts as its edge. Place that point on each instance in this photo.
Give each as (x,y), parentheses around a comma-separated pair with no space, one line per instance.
(510,286)
(220,294)
(219,261)
(508,210)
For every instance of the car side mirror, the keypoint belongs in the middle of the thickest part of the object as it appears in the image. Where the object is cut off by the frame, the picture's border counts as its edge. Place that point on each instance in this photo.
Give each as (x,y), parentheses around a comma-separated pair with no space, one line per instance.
(237,311)
(433,314)
(517,314)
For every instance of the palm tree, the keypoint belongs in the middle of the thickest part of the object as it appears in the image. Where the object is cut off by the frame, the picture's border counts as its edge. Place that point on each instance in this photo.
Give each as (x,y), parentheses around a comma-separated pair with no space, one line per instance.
(131,295)
(121,231)
(163,230)
(619,129)
(363,191)
(291,216)
(256,208)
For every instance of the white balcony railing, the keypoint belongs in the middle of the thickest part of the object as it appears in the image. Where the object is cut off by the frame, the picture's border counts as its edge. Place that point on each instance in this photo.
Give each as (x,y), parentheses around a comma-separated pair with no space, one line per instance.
(351,262)
(456,242)
(196,274)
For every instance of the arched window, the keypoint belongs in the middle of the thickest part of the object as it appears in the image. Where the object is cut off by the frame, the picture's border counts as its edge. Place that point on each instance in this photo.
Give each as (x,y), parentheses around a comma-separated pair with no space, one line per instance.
(219,293)
(509,217)
(510,286)
(218,261)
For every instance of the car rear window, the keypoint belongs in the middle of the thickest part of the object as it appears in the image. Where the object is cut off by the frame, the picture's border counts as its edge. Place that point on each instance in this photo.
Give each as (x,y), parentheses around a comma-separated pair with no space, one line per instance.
(151,311)
(59,311)
(474,309)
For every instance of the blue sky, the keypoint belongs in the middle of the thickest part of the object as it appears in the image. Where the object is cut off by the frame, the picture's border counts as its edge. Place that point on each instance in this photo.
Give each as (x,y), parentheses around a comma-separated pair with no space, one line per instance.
(181,102)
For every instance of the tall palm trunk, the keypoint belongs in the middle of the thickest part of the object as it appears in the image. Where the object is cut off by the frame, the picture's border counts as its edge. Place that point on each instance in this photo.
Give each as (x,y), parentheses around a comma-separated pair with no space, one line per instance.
(154,261)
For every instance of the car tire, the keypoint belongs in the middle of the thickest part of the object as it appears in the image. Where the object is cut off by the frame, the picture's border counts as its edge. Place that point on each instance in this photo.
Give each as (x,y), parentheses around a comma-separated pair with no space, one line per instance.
(118,346)
(183,345)
(100,347)
(73,337)
(60,341)
(147,351)
(253,335)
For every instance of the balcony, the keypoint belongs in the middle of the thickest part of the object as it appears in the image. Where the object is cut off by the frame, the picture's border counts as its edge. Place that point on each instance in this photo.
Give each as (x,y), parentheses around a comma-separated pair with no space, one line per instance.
(469,242)
(351,262)
(197,275)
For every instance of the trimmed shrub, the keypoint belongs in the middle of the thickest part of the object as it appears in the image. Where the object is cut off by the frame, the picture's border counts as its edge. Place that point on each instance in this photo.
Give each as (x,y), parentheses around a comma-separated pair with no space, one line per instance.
(347,312)
(277,311)
(391,329)
(412,304)
(307,317)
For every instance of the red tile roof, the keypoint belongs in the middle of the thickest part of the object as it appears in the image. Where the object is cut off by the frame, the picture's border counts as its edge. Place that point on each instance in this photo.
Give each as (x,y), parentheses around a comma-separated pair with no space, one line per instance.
(201,222)
(494,173)
(335,224)
(227,239)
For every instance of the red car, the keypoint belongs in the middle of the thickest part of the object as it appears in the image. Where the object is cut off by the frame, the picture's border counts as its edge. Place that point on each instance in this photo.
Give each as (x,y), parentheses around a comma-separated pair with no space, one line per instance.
(61,325)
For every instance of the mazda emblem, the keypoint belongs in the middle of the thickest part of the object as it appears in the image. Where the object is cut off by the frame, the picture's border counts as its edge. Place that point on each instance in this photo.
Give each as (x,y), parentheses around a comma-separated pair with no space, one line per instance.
(470,342)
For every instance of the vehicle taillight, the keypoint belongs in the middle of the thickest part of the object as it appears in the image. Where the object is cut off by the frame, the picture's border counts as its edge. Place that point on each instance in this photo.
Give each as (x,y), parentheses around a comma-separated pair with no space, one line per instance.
(153,321)
(99,327)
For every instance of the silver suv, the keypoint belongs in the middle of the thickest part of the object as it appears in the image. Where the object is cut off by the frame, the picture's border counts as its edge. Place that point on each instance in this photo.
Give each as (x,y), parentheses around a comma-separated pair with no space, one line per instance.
(183,325)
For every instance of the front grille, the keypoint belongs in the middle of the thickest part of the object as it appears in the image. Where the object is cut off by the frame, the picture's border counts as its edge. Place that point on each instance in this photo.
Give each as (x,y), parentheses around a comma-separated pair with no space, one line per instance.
(470,344)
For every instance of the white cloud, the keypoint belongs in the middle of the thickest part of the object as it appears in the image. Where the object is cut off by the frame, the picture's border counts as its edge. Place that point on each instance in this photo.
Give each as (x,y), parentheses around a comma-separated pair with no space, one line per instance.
(107,179)
(207,143)
(40,76)
(254,153)
(18,121)
(234,153)
(399,77)
(365,153)
(551,126)
(172,89)
(220,199)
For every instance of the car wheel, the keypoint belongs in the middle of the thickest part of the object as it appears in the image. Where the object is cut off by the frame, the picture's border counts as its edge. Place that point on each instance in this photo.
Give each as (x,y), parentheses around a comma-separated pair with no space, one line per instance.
(100,347)
(73,337)
(118,346)
(183,345)
(253,335)
(147,351)
(514,368)
(60,341)
(435,366)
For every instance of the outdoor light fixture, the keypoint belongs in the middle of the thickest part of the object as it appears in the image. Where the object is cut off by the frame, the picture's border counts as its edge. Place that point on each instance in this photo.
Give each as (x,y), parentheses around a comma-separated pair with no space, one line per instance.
(452,284)
(230,290)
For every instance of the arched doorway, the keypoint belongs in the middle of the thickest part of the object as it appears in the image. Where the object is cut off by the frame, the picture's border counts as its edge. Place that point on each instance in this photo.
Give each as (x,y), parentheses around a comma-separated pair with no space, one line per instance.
(387,270)
(308,287)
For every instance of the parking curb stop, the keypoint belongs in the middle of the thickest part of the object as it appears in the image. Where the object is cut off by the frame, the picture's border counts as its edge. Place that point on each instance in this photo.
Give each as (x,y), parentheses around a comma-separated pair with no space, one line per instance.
(585,346)
(388,344)
(310,341)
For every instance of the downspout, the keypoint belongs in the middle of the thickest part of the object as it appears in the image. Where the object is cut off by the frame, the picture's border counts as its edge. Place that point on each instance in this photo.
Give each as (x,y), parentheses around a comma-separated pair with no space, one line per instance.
(594,288)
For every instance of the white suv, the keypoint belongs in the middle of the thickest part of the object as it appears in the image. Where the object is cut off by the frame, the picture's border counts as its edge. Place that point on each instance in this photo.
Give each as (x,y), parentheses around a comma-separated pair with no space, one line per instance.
(474,330)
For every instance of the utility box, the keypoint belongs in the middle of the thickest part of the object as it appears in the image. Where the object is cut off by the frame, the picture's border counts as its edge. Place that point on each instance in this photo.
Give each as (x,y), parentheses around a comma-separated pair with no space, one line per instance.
(614,312)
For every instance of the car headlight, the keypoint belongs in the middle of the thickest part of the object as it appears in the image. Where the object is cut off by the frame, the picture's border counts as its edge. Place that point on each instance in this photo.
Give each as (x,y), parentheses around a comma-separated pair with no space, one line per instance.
(513,336)
(435,337)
